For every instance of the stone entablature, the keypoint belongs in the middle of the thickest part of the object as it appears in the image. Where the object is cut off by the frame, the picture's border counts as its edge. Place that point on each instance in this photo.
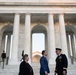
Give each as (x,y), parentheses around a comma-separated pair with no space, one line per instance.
(34,9)
(38,6)
(37,2)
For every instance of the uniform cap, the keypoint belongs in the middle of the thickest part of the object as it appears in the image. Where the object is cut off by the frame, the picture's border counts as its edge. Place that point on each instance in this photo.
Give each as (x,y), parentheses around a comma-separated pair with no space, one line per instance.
(59,49)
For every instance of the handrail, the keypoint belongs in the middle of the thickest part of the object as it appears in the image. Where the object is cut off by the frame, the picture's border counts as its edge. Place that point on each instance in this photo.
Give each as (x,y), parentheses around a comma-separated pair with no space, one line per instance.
(72,57)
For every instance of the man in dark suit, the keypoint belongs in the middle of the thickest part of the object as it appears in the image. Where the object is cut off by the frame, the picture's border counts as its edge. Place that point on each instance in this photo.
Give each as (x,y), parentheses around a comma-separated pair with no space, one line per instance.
(3,55)
(22,55)
(61,63)
(44,69)
(25,68)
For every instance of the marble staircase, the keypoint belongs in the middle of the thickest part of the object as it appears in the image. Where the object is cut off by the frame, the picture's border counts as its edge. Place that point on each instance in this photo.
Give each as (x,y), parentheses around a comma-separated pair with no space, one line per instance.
(13,69)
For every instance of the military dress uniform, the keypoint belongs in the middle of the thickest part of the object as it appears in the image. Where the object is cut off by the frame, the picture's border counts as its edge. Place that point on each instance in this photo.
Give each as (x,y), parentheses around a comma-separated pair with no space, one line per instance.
(61,64)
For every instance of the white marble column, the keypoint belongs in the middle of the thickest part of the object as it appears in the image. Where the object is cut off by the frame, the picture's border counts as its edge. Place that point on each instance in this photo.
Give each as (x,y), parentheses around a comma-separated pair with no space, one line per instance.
(3,42)
(63,35)
(46,42)
(8,45)
(73,44)
(51,40)
(68,45)
(0,45)
(27,34)
(14,56)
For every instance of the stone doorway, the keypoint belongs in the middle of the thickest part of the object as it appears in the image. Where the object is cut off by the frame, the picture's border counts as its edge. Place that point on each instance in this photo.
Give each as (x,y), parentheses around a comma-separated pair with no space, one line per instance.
(38,29)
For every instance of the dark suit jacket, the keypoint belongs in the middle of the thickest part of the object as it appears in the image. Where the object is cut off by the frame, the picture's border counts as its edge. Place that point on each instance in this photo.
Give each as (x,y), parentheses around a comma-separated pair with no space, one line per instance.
(44,66)
(61,64)
(3,55)
(25,69)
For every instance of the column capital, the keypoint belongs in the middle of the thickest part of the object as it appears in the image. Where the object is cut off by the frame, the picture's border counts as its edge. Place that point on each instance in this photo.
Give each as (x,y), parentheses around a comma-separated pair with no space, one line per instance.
(67,33)
(51,14)
(8,34)
(27,13)
(16,13)
(61,14)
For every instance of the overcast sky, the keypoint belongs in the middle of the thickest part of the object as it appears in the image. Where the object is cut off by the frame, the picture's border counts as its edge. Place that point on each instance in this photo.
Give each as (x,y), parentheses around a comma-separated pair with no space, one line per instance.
(38,43)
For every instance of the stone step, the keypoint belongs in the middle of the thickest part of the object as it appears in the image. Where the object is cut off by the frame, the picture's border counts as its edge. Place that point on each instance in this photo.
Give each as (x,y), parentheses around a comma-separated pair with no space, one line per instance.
(13,70)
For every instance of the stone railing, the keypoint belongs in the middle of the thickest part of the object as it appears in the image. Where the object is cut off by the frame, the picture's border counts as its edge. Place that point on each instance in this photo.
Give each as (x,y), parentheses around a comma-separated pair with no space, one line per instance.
(72,59)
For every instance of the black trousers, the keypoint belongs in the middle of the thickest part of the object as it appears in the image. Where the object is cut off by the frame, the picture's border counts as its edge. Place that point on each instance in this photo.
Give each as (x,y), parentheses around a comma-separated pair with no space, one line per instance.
(42,73)
(60,74)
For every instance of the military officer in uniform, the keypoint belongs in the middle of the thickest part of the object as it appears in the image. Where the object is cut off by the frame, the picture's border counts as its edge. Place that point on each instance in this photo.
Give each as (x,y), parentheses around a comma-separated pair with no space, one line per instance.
(61,63)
